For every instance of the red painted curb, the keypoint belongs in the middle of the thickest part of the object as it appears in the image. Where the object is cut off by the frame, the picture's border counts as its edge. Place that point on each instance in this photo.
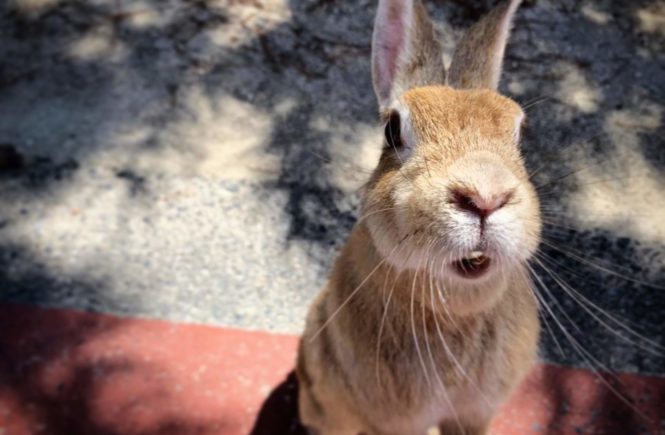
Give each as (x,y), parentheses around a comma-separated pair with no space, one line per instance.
(64,372)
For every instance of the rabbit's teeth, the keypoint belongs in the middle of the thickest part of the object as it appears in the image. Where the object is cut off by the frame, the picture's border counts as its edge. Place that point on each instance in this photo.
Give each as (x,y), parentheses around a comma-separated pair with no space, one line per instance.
(473,266)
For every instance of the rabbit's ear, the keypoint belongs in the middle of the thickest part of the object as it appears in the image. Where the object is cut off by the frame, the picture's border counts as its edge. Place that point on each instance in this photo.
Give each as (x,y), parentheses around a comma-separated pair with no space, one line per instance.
(479,55)
(405,52)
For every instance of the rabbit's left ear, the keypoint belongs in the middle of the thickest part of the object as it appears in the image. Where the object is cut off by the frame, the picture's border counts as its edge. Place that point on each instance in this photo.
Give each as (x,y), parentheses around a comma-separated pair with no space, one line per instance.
(405,52)
(479,55)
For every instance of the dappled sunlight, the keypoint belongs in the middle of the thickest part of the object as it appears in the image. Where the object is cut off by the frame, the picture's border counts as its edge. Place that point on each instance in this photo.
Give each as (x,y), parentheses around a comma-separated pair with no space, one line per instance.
(99,44)
(354,153)
(34,8)
(139,65)
(85,220)
(622,193)
(241,25)
(576,90)
(245,23)
(596,15)
(651,18)
(178,239)
(516,88)
(147,14)
(217,136)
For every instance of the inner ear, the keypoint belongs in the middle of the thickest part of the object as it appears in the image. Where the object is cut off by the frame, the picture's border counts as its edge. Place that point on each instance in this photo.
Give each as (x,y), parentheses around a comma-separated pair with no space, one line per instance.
(389,44)
(405,50)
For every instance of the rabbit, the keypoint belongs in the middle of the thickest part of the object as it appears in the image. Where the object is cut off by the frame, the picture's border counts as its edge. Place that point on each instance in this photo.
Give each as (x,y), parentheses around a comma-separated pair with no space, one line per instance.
(428,319)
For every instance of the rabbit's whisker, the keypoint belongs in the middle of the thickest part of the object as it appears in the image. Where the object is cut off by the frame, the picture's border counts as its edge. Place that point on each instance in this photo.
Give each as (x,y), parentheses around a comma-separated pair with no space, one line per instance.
(581,254)
(586,356)
(413,329)
(589,307)
(581,169)
(553,155)
(384,316)
(540,304)
(554,213)
(456,364)
(599,267)
(444,390)
(535,101)
(373,212)
(353,293)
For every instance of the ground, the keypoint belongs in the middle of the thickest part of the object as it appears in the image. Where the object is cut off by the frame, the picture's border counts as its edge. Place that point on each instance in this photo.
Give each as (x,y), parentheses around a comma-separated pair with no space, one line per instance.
(199,161)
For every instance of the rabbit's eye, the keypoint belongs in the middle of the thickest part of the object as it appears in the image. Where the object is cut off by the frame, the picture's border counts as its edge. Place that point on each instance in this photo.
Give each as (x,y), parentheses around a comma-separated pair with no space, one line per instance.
(393,131)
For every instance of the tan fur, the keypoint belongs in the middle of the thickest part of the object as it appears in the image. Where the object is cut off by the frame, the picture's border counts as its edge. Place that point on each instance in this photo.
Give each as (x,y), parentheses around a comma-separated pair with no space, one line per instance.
(397,342)
(491,328)
(441,113)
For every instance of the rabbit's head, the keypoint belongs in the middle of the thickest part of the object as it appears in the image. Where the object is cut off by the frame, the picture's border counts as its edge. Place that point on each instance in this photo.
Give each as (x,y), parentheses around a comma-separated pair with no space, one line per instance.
(450,193)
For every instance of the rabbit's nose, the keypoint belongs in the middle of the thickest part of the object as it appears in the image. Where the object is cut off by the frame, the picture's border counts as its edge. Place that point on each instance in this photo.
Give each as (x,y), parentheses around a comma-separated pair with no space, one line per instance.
(477,204)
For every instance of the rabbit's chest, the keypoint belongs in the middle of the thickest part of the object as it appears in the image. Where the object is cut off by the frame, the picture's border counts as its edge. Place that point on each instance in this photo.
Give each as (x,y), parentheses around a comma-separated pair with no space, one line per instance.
(420,401)
(418,386)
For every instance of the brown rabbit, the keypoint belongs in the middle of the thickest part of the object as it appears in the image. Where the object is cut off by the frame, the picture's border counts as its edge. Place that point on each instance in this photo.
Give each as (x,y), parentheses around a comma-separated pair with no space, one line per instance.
(429,318)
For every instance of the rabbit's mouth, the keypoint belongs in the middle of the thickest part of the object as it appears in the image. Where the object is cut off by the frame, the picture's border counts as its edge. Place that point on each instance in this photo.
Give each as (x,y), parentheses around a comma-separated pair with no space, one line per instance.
(472,267)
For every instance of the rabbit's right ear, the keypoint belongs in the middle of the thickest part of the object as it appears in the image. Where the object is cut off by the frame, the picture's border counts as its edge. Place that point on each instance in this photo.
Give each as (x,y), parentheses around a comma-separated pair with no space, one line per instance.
(479,55)
(405,52)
